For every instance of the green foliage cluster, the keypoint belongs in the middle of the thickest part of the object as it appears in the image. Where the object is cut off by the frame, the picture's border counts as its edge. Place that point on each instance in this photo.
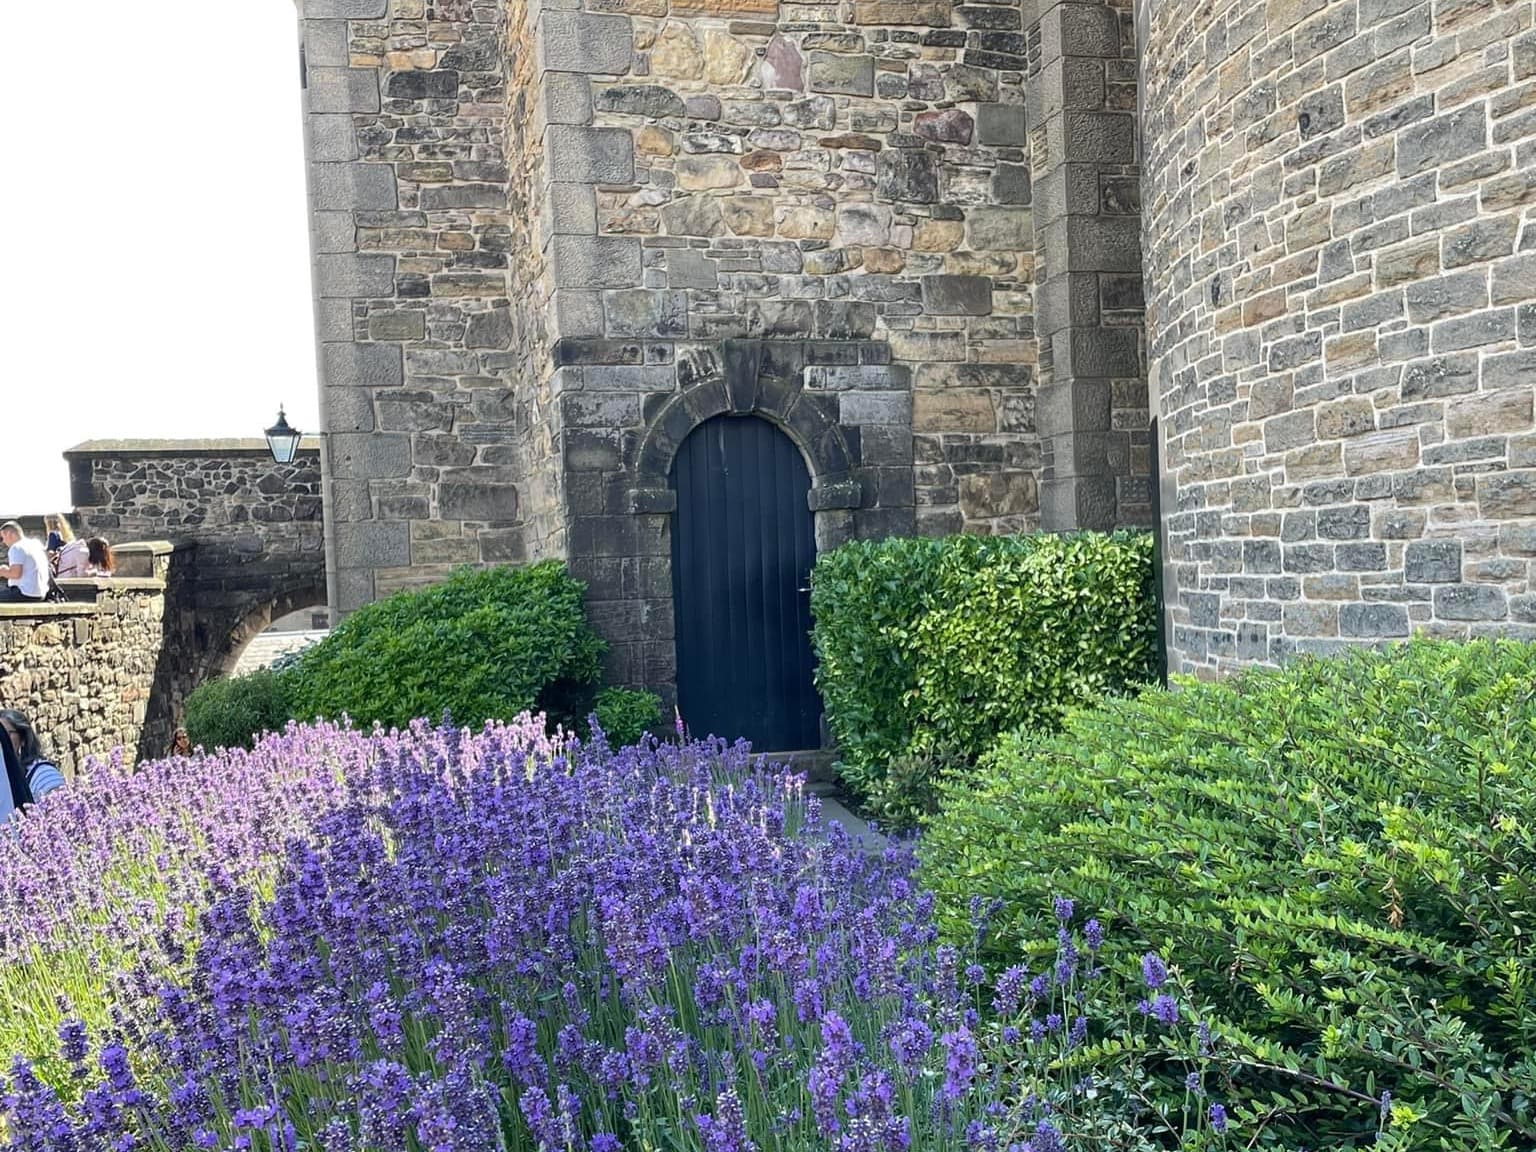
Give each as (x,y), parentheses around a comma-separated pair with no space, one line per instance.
(485,643)
(231,713)
(928,648)
(1339,857)
(625,714)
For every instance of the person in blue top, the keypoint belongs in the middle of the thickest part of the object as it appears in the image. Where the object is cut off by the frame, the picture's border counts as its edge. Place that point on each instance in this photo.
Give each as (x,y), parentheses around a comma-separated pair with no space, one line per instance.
(29,775)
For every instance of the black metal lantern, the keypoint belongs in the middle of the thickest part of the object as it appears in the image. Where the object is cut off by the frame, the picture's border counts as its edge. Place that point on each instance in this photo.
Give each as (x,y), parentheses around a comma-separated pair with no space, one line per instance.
(283,440)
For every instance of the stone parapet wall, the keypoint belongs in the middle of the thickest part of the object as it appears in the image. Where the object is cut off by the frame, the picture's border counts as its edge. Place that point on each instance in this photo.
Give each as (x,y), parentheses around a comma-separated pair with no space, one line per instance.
(257,526)
(1342,319)
(107,670)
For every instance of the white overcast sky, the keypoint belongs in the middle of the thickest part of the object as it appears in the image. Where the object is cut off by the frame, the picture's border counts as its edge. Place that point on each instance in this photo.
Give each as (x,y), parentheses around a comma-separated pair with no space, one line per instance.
(156,279)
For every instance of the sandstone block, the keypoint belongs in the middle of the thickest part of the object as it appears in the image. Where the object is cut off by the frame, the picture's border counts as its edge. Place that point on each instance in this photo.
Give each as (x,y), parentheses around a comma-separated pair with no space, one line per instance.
(648,100)
(707,171)
(1001,229)
(938,235)
(1507,495)
(861,224)
(693,216)
(1373,621)
(953,410)
(805,222)
(596,261)
(441,84)
(1489,413)
(675,55)
(957,295)
(950,126)
(849,75)
(726,59)
(482,502)
(590,155)
(782,66)
(586,42)
(1432,562)
(1471,602)
(748,215)
(920,13)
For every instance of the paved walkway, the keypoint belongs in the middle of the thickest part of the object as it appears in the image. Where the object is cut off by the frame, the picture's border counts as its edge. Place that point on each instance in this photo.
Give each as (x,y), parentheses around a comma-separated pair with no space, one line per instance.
(267,647)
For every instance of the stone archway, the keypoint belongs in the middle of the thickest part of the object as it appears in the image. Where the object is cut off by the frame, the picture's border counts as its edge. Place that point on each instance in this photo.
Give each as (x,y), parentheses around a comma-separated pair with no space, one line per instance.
(255,622)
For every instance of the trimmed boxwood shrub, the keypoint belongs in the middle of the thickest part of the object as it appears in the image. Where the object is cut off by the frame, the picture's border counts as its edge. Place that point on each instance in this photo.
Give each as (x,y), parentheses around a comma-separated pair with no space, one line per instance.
(625,714)
(928,648)
(485,643)
(1339,857)
(229,713)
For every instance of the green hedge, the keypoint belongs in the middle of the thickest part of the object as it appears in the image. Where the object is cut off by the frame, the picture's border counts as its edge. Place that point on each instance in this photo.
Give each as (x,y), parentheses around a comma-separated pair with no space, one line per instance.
(927,649)
(1340,857)
(230,713)
(485,643)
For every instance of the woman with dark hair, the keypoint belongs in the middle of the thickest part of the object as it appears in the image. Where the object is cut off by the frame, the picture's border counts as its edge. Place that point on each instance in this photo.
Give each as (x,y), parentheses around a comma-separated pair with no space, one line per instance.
(100,560)
(35,775)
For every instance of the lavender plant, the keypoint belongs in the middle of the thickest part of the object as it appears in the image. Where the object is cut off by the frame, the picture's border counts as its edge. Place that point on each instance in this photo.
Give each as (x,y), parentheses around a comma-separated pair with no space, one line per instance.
(506,942)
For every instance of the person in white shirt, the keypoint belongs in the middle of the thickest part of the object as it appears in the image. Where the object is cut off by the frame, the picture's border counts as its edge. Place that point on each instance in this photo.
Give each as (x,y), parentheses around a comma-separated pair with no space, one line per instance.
(26,569)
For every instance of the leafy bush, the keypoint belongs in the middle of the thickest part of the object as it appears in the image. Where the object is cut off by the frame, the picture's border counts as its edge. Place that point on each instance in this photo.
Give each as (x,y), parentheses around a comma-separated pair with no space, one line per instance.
(1339,856)
(625,714)
(230,713)
(933,647)
(485,643)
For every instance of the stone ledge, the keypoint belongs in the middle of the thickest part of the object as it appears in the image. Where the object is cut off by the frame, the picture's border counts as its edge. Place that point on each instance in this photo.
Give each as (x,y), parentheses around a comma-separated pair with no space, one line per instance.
(232,446)
(47,611)
(98,585)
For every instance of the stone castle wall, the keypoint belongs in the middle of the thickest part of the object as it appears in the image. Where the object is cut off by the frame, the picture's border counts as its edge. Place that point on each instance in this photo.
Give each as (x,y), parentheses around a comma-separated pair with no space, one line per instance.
(257,527)
(420,344)
(107,670)
(1342,320)
(552,239)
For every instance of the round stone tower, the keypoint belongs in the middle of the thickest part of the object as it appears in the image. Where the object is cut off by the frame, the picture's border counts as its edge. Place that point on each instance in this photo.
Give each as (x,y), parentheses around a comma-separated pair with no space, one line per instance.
(1340,268)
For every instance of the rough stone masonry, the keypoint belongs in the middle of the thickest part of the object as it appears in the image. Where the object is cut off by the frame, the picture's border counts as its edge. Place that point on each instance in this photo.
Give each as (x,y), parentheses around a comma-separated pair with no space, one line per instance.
(1342,320)
(552,238)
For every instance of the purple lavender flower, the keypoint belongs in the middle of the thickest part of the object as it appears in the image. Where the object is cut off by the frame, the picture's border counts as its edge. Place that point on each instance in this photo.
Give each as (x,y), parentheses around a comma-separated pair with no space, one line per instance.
(1093,935)
(1153,971)
(1165,1010)
(1064,908)
(960,1059)
(1218,1118)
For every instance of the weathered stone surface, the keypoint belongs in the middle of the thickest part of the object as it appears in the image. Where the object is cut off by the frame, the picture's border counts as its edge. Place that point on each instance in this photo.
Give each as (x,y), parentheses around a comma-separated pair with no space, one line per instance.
(707,171)
(806,223)
(957,295)
(419,85)
(648,100)
(693,216)
(782,65)
(749,215)
(676,55)
(907,176)
(590,155)
(726,59)
(951,126)
(1327,215)
(853,75)
(586,42)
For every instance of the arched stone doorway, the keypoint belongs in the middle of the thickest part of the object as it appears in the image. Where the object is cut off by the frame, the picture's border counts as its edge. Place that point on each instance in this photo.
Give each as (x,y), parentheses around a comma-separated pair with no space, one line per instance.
(743,542)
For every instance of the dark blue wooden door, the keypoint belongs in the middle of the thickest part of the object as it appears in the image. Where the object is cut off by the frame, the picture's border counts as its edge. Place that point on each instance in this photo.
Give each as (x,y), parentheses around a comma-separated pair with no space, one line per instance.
(742,547)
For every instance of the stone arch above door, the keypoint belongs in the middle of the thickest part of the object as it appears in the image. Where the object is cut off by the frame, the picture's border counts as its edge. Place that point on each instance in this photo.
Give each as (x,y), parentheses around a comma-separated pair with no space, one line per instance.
(748,378)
